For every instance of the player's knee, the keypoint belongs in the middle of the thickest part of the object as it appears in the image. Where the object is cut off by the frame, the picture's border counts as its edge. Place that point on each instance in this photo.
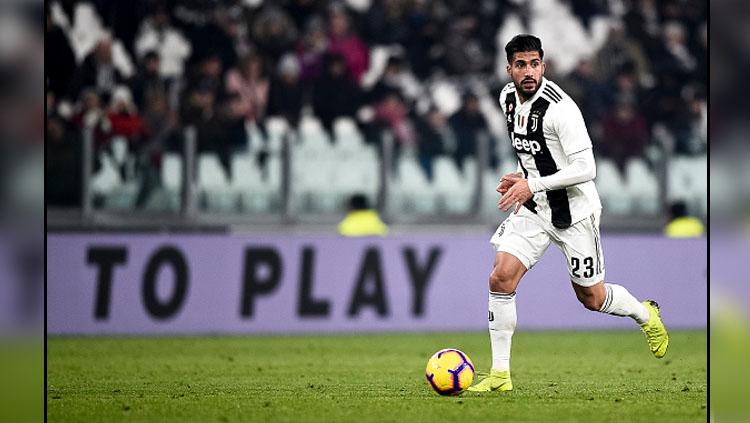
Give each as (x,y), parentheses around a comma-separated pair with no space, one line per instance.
(501,280)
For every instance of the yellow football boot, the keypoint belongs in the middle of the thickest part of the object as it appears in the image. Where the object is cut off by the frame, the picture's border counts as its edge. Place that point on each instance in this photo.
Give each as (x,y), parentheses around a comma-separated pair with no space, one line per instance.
(656,333)
(496,381)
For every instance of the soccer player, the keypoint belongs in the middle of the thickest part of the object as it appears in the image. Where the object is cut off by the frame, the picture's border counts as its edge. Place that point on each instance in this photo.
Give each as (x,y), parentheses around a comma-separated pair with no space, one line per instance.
(554,199)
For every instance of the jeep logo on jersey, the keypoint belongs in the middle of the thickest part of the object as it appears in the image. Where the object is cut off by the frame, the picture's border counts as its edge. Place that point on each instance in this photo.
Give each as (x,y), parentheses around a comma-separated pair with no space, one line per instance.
(522,145)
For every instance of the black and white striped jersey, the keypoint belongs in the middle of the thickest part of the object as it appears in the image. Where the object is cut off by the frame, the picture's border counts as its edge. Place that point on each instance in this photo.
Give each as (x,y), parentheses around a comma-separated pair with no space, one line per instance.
(544,131)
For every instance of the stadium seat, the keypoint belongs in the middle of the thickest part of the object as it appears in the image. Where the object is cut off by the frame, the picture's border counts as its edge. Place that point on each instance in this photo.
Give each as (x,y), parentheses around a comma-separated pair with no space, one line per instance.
(677,179)
(171,178)
(490,180)
(107,178)
(614,196)
(346,135)
(274,172)
(355,176)
(490,197)
(642,186)
(119,147)
(312,135)
(412,192)
(469,171)
(311,170)
(123,197)
(248,184)
(255,140)
(171,171)
(277,128)
(312,181)
(453,194)
(354,170)
(108,184)
(211,174)
(213,185)
(686,181)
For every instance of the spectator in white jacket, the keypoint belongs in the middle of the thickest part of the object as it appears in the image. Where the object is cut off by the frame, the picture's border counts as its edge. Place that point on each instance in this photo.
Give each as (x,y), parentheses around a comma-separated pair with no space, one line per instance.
(157,34)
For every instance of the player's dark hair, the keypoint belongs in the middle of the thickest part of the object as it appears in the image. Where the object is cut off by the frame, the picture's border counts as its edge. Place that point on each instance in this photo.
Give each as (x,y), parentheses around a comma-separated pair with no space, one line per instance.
(522,43)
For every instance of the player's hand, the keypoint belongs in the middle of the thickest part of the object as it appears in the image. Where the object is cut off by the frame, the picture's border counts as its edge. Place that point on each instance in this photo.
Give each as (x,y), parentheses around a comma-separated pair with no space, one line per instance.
(518,194)
(507,181)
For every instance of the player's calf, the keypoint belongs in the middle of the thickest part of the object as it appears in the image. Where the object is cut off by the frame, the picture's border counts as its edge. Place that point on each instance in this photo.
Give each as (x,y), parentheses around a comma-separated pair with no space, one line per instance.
(592,303)
(591,297)
(611,299)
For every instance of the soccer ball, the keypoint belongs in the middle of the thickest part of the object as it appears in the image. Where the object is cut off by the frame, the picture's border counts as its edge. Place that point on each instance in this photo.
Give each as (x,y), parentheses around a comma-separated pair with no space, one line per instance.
(449,371)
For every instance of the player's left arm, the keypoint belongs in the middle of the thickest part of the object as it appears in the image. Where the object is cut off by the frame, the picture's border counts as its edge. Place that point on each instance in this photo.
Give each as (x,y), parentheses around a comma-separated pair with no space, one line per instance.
(580,169)
(574,138)
(576,144)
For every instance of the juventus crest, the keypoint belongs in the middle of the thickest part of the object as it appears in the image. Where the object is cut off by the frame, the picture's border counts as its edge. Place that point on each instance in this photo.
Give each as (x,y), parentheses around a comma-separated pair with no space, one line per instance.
(534,122)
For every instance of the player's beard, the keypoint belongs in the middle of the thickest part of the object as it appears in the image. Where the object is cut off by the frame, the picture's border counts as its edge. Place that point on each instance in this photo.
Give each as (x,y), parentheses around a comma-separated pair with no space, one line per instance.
(521,87)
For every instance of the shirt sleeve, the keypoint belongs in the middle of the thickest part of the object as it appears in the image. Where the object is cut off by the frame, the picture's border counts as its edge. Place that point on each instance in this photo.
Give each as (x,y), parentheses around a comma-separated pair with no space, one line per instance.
(571,129)
(582,168)
(508,89)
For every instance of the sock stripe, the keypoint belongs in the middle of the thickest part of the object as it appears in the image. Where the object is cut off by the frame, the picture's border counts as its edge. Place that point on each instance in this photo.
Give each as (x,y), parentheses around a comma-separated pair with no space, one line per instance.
(607,299)
(502,296)
(610,296)
(597,245)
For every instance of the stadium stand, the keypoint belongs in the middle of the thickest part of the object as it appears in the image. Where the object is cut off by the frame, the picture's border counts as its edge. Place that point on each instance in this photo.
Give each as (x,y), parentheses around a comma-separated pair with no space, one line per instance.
(218,68)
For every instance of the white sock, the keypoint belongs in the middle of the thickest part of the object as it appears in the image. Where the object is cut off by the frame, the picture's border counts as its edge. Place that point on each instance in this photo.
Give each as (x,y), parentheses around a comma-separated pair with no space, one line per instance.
(620,302)
(502,323)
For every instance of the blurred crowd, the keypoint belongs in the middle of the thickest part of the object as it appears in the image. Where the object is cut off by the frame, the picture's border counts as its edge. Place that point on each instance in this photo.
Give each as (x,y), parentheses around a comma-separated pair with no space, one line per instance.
(142,70)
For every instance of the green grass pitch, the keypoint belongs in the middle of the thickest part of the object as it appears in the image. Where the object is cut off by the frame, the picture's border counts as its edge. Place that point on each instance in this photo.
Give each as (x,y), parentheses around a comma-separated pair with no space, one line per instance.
(558,376)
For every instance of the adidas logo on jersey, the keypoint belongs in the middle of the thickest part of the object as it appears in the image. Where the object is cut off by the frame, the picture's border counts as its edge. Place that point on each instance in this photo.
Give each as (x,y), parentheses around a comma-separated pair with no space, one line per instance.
(522,145)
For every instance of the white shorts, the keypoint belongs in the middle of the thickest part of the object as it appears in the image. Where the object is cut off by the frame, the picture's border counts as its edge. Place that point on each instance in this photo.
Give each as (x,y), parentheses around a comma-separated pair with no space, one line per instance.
(527,236)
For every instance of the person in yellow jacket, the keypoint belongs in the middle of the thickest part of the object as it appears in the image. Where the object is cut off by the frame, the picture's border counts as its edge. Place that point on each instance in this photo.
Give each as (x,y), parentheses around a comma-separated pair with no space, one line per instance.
(361,220)
(681,225)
